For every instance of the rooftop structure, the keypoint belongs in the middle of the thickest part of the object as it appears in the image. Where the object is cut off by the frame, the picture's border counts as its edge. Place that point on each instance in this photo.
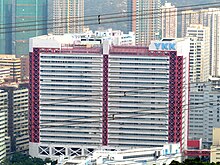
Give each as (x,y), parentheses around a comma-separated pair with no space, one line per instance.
(89,38)
(156,155)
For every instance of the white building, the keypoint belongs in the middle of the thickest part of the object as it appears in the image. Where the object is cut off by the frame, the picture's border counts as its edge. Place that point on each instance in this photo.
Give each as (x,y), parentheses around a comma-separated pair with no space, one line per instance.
(204,110)
(83,97)
(157,156)
(199,52)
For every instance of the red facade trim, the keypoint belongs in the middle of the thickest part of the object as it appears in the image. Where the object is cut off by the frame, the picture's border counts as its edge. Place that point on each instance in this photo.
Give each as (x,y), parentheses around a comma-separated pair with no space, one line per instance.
(194,144)
(197,153)
(34,96)
(175,98)
(34,92)
(105,100)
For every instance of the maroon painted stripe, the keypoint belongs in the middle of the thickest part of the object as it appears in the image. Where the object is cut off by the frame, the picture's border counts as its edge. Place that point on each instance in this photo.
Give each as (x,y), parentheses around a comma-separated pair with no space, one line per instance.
(105,101)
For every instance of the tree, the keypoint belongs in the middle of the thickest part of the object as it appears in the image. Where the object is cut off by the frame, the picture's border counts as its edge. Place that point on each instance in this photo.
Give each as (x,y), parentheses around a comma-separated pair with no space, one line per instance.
(195,161)
(175,163)
(21,159)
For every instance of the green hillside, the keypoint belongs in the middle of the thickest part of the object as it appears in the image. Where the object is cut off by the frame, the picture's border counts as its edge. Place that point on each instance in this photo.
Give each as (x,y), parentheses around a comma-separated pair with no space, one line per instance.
(100,7)
(189,2)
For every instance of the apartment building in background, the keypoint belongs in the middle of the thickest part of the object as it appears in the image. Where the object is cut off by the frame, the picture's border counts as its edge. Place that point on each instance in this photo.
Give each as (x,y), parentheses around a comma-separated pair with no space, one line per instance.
(146,22)
(208,18)
(189,17)
(14,107)
(204,110)
(199,52)
(93,94)
(169,21)
(16,137)
(3,123)
(66,16)
(214,24)
(215,148)
(12,63)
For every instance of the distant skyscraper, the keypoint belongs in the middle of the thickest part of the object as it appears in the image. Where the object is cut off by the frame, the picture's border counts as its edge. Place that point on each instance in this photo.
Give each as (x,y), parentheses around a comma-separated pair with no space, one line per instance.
(5,20)
(129,10)
(66,16)
(30,17)
(86,96)
(199,52)
(146,20)
(169,21)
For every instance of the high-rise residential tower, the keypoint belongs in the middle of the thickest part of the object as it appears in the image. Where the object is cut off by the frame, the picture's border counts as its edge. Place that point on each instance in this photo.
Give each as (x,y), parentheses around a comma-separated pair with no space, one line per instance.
(214,24)
(193,17)
(169,21)
(211,18)
(96,94)
(17,116)
(146,22)
(66,16)
(199,52)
